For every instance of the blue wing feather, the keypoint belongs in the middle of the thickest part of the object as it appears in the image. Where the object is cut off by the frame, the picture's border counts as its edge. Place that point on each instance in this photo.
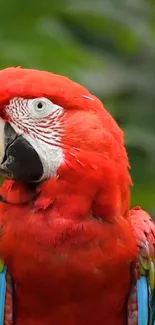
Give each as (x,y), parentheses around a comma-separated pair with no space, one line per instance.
(2,294)
(143,301)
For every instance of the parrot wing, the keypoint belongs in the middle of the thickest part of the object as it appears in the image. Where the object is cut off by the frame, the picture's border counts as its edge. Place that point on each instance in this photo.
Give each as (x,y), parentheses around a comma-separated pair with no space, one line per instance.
(141,303)
(6,296)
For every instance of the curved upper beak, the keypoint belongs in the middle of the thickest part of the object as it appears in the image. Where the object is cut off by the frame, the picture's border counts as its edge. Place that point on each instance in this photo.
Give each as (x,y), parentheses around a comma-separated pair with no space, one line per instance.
(18,159)
(6,138)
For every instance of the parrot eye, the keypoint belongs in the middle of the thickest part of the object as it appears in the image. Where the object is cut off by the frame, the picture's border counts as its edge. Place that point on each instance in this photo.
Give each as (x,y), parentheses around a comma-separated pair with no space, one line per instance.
(41,107)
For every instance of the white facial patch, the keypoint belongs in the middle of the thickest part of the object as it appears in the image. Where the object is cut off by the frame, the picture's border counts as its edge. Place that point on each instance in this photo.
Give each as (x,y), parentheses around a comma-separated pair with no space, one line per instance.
(38,120)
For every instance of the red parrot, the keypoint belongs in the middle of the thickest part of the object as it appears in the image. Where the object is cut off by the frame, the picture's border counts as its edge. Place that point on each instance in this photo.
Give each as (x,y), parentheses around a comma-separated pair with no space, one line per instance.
(75,252)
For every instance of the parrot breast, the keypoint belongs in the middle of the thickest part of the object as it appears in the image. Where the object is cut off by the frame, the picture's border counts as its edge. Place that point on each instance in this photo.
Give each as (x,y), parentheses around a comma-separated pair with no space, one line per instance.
(77,271)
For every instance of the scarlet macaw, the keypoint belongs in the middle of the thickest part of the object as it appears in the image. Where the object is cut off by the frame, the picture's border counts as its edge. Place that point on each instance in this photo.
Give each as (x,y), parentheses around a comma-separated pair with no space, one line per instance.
(75,252)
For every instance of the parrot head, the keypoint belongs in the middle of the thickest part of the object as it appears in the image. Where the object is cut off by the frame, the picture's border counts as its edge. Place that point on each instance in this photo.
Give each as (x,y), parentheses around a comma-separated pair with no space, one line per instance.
(53,127)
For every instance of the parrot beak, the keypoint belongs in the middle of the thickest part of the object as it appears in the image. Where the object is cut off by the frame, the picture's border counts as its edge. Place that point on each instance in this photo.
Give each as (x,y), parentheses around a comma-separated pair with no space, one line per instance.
(18,159)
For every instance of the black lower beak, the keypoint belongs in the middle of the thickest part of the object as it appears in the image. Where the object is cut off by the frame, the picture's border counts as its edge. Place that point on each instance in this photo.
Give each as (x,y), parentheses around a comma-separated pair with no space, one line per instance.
(20,162)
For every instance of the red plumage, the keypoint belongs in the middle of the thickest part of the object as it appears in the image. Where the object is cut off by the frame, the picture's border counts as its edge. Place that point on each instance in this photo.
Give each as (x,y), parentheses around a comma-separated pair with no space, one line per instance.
(69,243)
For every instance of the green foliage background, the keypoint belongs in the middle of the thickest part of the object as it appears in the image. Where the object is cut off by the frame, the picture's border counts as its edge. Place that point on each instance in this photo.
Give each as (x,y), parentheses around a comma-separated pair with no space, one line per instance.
(107,45)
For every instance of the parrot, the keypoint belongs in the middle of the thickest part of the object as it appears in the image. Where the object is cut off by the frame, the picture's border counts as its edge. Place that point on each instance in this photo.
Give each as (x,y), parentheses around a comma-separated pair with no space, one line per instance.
(72,251)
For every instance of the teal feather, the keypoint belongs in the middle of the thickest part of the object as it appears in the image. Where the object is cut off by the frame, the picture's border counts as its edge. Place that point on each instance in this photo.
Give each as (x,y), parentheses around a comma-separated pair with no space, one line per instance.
(2,294)
(143,301)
